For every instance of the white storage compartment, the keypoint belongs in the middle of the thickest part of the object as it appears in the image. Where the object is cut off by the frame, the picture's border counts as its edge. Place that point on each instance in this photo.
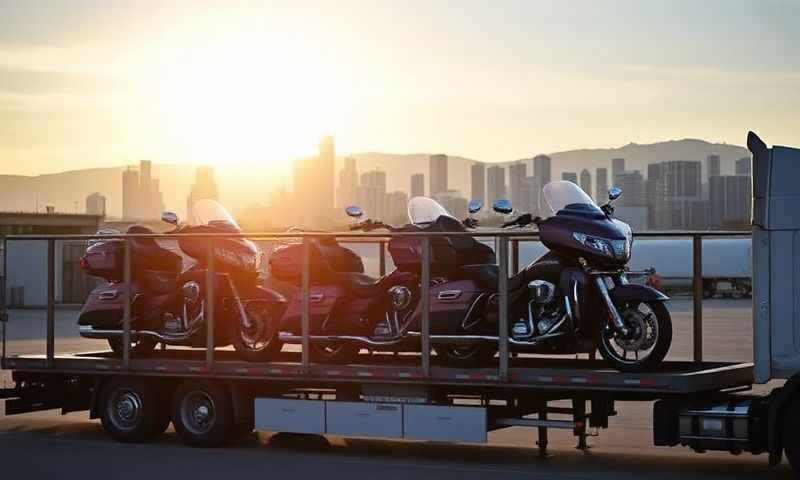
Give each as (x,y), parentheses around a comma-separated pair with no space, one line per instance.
(444,423)
(290,416)
(361,419)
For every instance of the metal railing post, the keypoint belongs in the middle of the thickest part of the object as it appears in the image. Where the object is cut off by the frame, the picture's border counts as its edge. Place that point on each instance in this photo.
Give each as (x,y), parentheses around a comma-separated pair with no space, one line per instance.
(126,312)
(425,328)
(514,256)
(210,304)
(382,258)
(503,306)
(3,302)
(697,297)
(51,301)
(304,295)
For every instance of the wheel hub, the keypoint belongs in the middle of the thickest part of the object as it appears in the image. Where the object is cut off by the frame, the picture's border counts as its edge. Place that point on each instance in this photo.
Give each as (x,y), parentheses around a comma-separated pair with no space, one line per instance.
(640,327)
(126,409)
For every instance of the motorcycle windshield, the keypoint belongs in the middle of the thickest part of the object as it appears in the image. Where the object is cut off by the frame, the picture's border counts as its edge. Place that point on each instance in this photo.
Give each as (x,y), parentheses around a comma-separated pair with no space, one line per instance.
(213,214)
(422,210)
(561,193)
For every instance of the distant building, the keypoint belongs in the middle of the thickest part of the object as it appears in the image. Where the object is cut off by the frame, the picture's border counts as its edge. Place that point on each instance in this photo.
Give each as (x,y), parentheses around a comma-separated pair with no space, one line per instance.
(617,168)
(204,188)
(729,202)
(453,202)
(26,260)
(570,177)
(96,205)
(601,183)
(348,184)
(651,192)
(418,185)
(495,183)
(517,173)
(743,166)
(314,185)
(586,181)
(371,194)
(437,174)
(633,189)
(541,169)
(396,208)
(679,204)
(141,195)
(478,180)
(713,168)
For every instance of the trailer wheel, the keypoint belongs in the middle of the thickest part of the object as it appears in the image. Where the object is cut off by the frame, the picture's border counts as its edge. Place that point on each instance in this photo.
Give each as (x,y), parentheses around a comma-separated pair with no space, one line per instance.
(130,410)
(203,413)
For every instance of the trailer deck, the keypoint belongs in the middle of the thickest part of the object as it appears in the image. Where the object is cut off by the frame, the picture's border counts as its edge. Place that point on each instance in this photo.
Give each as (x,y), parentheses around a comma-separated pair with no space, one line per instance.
(534,373)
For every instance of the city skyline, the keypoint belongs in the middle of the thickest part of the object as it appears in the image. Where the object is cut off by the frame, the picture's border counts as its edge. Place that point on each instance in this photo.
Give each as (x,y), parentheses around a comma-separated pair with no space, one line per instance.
(109,86)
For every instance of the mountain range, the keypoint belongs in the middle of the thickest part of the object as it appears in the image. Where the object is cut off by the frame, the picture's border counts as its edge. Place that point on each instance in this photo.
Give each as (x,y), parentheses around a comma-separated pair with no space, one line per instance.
(66,191)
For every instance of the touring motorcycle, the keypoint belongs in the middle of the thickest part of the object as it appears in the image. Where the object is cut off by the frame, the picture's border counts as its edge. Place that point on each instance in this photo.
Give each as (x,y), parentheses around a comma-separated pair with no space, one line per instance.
(350,310)
(168,288)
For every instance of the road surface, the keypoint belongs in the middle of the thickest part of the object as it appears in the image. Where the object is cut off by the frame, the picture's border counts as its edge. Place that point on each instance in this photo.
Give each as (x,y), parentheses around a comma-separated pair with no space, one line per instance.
(47,445)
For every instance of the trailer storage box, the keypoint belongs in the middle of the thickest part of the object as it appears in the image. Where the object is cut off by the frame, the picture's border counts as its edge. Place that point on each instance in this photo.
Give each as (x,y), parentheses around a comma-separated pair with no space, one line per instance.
(445,423)
(289,415)
(364,419)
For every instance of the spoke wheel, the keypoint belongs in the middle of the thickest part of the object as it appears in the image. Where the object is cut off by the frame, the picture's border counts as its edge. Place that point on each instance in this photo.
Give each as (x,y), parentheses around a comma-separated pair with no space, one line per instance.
(256,337)
(647,342)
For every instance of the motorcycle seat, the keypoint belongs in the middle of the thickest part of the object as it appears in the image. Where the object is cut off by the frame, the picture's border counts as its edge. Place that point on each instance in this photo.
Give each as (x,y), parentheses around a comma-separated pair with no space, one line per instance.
(487,276)
(364,286)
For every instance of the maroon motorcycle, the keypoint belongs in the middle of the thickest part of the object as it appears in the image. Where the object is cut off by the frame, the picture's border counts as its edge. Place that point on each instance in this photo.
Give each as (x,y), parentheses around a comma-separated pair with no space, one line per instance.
(168,286)
(350,310)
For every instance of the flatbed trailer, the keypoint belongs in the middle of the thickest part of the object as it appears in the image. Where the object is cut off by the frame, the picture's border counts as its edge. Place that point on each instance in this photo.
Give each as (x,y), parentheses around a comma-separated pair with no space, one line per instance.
(211,396)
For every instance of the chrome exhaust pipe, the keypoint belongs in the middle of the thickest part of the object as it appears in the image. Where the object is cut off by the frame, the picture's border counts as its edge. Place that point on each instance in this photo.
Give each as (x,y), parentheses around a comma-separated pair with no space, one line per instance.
(366,341)
(439,339)
(87,331)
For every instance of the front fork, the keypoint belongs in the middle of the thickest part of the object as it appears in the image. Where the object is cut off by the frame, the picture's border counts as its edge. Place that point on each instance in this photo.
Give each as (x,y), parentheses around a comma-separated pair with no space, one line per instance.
(613,315)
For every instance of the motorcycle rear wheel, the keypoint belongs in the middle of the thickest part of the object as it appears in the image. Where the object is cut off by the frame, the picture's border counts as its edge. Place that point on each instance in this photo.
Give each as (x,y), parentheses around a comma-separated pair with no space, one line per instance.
(334,352)
(466,356)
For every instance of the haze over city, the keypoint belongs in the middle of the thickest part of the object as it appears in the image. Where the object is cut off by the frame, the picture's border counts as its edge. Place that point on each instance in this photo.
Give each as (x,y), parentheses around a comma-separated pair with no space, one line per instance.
(256,84)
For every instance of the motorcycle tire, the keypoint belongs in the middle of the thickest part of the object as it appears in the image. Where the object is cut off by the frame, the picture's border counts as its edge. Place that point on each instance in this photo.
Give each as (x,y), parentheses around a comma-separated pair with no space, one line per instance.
(466,356)
(339,353)
(659,349)
(142,347)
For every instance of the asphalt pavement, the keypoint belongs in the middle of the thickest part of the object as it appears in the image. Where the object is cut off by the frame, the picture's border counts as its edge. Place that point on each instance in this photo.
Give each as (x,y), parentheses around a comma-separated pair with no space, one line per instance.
(48,445)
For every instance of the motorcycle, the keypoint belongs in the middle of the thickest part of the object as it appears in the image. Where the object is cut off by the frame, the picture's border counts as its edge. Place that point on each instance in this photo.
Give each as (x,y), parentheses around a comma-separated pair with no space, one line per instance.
(168,288)
(350,310)
(576,298)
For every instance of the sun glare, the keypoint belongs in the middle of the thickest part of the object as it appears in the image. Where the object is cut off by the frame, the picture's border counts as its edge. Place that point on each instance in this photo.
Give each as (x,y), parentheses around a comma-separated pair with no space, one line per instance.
(244,98)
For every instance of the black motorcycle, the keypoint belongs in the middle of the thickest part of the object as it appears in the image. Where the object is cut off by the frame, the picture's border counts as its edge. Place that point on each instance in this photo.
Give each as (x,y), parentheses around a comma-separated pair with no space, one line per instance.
(577,297)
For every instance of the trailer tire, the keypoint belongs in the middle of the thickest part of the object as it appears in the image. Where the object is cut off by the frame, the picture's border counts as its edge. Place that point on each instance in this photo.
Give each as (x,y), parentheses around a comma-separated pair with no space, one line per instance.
(202,413)
(130,410)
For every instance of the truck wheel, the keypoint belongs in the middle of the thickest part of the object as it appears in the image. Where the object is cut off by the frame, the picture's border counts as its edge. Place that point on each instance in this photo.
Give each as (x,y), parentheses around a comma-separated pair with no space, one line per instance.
(202,413)
(130,410)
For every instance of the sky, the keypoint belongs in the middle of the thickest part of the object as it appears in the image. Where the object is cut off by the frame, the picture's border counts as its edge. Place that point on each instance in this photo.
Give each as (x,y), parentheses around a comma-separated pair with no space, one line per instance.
(88,83)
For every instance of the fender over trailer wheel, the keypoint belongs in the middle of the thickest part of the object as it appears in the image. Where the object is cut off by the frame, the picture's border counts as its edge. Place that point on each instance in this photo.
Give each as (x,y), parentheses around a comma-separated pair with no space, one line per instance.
(202,413)
(131,410)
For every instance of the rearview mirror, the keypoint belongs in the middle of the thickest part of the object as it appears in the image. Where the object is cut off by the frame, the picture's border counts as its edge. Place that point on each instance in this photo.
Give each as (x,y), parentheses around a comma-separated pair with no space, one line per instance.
(474,206)
(169,217)
(502,206)
(614,193)
(354,211)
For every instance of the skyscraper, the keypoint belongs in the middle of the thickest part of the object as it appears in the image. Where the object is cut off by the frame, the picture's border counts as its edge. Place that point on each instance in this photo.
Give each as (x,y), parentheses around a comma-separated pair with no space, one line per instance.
(617,167)
(517,172)
(478,179)
(371,194)
(570,177)
(679,203)
(396,208)
(325,177)
(712,166)
(418,185)
(204,188)
(729,202)
(348,184)
(495,183)
(586,181)
(601,184)
(541,169)
(743,166)
(130,194)
(438,174)
(96,204)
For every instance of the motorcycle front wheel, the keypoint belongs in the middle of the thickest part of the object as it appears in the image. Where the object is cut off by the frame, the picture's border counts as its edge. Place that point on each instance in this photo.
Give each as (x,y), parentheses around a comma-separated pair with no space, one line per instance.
(141,347)
(257,339)
(647,343)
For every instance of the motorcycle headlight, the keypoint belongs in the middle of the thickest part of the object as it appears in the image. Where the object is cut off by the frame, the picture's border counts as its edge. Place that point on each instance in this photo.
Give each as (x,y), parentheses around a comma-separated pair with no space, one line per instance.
(617,249)
(595,243)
